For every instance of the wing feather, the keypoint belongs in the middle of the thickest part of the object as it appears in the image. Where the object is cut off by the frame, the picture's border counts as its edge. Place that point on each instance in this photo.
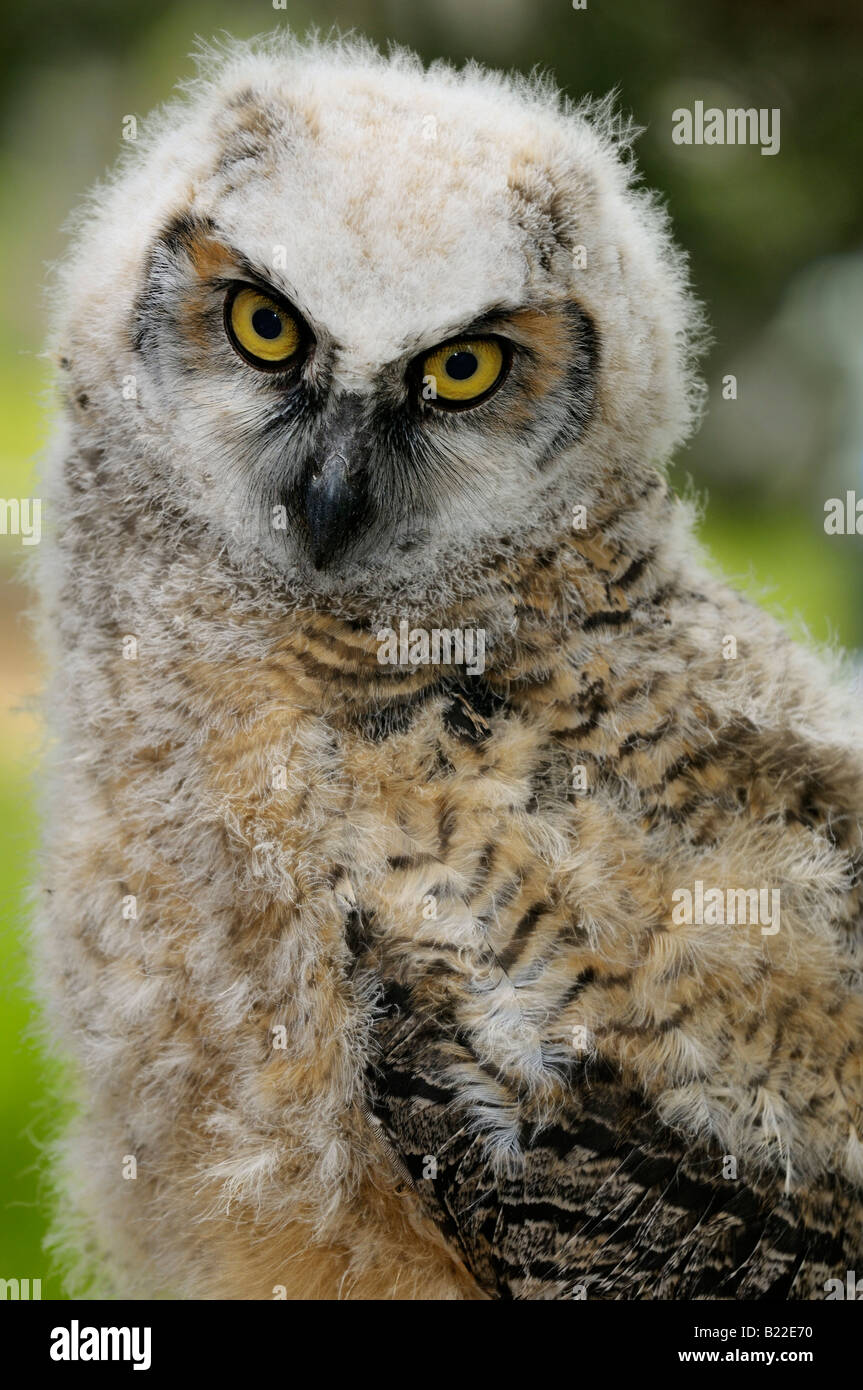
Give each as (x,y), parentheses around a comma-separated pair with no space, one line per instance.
(605,1201)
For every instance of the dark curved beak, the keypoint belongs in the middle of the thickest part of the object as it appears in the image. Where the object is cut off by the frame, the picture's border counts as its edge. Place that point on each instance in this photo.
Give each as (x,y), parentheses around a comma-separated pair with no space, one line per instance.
(334,508)
(335,499)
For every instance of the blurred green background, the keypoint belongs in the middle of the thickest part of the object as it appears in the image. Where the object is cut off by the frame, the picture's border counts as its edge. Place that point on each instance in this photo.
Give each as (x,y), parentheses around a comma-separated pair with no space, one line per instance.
(775,245)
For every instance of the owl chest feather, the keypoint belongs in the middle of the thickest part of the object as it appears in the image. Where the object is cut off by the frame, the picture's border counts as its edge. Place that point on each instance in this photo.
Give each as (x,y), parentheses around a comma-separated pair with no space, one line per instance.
(514,860)
(313,831)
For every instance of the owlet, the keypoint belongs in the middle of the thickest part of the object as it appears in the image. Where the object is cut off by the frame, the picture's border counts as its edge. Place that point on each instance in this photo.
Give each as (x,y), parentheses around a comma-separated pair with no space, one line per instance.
(451,889)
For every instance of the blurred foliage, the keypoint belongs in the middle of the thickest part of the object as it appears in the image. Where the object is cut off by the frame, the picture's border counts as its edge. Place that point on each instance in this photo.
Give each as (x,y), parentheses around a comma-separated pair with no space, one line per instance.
(775,247)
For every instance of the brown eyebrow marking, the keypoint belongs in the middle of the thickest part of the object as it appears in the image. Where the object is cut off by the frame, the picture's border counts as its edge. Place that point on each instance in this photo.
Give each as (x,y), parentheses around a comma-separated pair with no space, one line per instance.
(539,322)
(212,259)
(560,340)
(183,228)
(199,238)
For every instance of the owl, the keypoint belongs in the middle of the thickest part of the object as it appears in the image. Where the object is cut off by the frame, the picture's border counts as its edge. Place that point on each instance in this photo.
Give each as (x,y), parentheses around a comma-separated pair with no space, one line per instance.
(450,888)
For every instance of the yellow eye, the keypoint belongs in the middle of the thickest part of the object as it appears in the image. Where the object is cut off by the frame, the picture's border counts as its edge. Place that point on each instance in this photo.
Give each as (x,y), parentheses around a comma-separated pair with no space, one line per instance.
(459,373)
(264,332)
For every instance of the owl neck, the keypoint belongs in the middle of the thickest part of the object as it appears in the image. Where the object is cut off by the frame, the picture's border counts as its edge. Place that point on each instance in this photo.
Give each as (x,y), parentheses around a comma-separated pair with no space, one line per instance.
(517,621)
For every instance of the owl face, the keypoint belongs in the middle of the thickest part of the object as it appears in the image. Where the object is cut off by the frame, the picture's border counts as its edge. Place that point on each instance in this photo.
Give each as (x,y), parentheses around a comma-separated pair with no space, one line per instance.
(382,318)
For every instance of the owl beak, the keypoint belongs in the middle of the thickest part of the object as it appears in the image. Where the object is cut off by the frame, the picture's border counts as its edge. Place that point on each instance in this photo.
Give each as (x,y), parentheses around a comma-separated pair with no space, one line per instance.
(334,492)
(333,508)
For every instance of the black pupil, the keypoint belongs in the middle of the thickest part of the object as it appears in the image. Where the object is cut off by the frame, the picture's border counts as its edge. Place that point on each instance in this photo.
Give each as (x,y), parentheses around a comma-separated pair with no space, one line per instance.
(266,323)
(461,365)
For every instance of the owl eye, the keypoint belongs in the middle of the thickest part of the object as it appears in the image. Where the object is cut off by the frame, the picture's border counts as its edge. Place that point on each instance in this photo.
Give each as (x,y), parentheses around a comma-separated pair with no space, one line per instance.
(464,372)
(263,331)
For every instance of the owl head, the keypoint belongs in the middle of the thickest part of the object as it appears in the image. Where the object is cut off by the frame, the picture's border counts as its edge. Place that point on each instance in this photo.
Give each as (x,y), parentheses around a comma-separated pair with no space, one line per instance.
(367,325)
